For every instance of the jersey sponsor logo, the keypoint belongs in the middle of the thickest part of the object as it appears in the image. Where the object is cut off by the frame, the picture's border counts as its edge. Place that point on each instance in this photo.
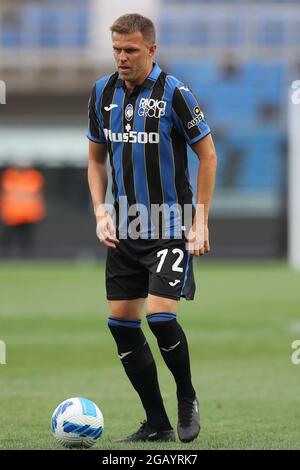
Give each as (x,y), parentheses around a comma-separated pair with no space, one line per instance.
(185,88)
(132,137)
(152,108)
(129,112)
(198,118)
(174,283)
(110,107)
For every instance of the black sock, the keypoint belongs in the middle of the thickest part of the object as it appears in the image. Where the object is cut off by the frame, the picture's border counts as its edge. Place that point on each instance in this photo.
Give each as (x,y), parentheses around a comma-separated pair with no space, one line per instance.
(174,349)
(139,365)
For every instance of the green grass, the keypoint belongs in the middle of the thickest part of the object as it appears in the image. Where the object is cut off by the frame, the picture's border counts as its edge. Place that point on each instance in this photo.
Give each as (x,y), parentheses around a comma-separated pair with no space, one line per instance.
(240,329)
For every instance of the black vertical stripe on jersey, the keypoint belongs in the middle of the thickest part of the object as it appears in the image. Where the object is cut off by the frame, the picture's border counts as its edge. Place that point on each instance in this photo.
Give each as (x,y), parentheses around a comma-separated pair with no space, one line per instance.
(107,97)
(185,115)
(127,164)
(184,193)
(152,150)
(93,119)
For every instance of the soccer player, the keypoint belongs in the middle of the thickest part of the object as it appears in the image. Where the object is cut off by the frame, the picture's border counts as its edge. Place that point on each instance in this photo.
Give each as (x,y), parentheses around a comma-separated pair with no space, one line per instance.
(143,119)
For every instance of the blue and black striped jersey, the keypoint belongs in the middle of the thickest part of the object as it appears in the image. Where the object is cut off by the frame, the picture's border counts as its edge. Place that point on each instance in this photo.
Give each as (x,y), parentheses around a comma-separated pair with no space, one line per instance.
(146,131)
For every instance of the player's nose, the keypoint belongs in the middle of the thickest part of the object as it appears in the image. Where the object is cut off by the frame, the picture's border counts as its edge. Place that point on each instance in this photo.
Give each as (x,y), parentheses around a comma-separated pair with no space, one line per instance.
(123,56)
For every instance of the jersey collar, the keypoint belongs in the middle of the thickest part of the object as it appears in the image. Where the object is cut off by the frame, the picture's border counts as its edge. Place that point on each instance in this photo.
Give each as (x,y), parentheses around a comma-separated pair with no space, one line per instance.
(149,81)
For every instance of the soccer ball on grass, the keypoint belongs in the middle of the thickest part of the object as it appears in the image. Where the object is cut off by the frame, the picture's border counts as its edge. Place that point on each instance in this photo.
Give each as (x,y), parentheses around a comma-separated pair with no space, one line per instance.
(77,422)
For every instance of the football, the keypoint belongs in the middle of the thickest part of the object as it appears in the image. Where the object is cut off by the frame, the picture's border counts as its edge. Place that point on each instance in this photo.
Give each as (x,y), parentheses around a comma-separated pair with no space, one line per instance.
(77,423)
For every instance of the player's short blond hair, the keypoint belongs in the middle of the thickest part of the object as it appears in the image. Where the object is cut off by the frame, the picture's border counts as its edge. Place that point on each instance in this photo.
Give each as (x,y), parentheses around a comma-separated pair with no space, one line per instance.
(133,22)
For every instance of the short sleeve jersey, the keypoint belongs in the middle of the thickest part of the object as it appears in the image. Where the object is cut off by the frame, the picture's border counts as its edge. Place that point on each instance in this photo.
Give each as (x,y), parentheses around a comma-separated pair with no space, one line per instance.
(146,132)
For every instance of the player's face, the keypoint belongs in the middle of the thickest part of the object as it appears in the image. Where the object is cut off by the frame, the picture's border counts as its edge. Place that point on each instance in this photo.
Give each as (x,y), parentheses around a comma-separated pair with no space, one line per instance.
(133,56)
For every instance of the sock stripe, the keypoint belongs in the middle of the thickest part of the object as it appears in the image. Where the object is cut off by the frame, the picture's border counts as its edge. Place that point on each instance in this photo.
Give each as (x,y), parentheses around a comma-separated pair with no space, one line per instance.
(160,317)
(121,322)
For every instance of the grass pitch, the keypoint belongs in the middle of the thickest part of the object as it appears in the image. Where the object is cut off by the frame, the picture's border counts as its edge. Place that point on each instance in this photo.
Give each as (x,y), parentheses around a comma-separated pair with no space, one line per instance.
(240,330)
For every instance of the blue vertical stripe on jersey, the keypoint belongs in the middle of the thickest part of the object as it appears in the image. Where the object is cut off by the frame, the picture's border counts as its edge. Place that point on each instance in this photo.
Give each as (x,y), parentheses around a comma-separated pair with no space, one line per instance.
(139,165)
(167,166)
(100,85)
(116,126)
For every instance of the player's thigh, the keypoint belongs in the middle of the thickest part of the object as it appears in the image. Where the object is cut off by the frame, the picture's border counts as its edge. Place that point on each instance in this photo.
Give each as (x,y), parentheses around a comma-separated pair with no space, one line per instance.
(126,280)
(126,309)
(157,304)
(171,273)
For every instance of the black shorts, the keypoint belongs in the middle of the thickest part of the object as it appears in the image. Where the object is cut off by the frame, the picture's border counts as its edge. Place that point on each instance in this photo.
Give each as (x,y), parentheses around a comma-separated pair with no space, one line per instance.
(140,267)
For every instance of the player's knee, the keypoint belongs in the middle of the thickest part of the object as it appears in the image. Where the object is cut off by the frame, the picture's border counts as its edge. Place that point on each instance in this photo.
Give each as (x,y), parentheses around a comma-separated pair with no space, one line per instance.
(126,309)
(160,304)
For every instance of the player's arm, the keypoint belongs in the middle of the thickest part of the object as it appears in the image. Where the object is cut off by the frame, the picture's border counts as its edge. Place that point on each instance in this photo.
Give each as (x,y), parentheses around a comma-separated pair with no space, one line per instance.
(206,153)
(97,179)
(190,122)
(97,173)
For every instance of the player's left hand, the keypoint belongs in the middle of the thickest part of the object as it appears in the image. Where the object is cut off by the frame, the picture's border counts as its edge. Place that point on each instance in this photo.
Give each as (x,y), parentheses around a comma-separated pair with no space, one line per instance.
(198,241)
(106,231)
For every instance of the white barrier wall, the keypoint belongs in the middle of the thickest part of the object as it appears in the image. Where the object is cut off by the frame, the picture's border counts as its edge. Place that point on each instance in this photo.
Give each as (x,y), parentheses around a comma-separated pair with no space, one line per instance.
(294,176)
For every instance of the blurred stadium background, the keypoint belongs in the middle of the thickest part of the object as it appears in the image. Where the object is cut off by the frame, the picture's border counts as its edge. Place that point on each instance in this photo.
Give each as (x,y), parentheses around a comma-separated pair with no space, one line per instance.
(239,56)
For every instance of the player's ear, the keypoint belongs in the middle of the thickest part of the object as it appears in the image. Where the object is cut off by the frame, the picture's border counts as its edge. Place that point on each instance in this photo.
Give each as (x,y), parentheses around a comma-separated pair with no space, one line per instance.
(152,49)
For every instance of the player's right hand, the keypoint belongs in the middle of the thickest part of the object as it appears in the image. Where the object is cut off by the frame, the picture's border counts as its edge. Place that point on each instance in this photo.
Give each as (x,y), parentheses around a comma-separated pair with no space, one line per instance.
(106,231)
(198,241)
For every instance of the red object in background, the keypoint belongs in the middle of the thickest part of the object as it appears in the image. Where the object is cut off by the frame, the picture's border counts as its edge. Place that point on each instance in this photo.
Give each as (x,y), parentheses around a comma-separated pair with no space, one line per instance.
(22,199)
